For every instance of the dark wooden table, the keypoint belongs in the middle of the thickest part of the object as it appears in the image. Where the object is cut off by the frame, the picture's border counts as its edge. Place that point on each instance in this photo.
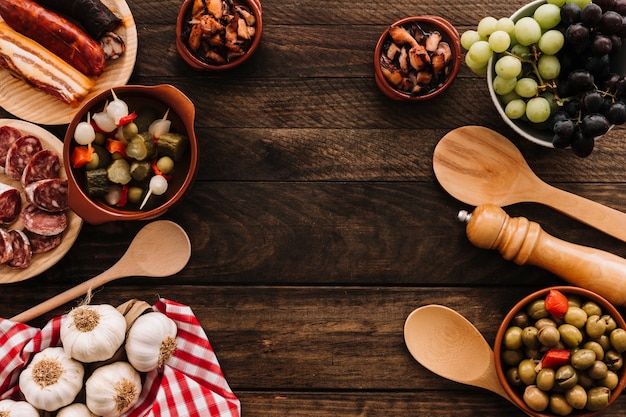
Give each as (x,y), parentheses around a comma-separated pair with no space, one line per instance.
(316,222)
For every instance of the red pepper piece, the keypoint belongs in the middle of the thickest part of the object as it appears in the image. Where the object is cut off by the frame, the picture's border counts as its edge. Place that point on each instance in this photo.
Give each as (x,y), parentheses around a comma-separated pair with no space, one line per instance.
(127,119)
(123,197)
(555,358)
(81,156)
(556,304)
(114,146)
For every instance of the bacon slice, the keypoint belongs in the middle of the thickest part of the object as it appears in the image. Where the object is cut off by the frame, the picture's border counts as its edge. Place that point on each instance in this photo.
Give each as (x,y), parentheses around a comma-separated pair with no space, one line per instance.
(42,69)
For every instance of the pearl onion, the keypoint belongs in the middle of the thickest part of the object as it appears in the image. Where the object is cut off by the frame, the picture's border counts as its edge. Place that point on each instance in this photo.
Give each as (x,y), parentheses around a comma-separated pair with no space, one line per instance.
(158,185)
(84,134)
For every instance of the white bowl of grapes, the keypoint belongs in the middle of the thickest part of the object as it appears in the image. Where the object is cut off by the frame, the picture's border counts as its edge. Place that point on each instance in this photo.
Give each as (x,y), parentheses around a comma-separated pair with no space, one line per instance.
(555,69)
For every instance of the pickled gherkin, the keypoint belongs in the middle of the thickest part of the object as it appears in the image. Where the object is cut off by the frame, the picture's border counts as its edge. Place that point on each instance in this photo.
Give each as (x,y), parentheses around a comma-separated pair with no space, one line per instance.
(97,182)
(140,170)
(172,145)
(119,172)
(136,149)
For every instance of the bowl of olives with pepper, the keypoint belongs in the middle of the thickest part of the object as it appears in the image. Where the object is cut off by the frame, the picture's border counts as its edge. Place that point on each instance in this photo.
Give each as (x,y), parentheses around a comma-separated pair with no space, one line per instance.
(560,351)
(130,153)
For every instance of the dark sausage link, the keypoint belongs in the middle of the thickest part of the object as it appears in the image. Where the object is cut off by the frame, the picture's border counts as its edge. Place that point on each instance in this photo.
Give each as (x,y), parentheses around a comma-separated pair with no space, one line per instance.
(93,15)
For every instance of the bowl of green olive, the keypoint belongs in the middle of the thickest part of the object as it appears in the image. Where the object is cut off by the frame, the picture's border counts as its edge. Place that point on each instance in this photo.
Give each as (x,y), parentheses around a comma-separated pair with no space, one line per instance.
(560,351)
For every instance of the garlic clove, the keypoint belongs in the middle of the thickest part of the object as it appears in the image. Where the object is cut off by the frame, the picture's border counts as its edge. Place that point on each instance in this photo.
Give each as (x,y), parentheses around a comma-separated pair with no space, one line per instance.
(151,341)
(93,333)
(10,408)
(75,410)
(113,389)
(52,379)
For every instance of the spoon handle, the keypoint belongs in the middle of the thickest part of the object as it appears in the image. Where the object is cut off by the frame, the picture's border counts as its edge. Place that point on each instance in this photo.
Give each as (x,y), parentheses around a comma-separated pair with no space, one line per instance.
(606,219)
(524,242)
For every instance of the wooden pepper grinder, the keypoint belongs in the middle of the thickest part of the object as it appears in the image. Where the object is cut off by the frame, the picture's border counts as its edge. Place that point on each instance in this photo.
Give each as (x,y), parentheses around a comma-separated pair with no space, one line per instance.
(524,242)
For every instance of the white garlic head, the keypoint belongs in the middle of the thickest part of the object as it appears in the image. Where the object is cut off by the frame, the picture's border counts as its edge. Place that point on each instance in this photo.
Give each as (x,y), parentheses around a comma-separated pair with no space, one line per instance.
(10,408)
(52,379)
(75,410)
(113,389)
(151,341)
(92,333)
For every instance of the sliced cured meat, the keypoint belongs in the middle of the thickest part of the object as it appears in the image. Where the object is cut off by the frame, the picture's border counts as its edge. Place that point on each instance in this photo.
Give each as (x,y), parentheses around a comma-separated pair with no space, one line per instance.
(41,243)
(44,165)
(22,253)
(6,246)
(49,195)
(10,203)
(43,222)
(20,153)
(8,135)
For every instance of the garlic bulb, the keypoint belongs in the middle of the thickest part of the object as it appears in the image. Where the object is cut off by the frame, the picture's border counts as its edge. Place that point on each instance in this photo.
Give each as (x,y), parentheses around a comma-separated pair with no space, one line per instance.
(151,341)
(75,410)
(10,408)
(92,333)
(113,389)
(52,379)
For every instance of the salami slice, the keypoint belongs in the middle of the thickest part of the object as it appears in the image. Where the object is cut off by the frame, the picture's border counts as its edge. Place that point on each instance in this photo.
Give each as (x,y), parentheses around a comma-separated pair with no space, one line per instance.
(41,243)
(6,246)
(49,195)
(19,154)
(44,165)
(43,222)
(22,253)
(8,135)
(10,203)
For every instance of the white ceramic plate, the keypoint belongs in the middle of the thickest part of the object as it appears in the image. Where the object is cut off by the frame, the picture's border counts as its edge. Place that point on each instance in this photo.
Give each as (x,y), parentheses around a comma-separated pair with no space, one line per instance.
(41,261)
(28,103)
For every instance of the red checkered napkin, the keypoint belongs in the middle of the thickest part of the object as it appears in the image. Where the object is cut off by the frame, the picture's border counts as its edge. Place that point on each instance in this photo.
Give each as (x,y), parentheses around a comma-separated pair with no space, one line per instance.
(190,384)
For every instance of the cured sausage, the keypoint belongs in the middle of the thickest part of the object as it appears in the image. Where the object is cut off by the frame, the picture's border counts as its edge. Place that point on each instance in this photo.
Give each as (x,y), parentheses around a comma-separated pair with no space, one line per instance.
(10,203)
(44,165)
(93,15)
(49,194)
(6,246)
(42,69)
(55,33)
(43,222)
(8,135)
(22,252)
(19,154)
(42,244)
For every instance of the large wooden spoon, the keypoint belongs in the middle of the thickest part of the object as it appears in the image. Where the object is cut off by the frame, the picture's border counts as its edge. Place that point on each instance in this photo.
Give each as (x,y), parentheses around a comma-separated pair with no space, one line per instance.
(477,166)
(160,249)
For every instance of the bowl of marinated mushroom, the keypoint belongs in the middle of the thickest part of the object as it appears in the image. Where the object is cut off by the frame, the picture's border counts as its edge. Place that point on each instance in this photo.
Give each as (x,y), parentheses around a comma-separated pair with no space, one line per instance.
(559,351)
(217,35)
(417,58)
(130,153)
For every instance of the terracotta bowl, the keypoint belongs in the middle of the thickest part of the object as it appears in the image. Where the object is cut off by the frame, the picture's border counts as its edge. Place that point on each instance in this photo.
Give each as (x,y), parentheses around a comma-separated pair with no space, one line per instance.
(157,99)
(515,393)
(194,60)
(428,24)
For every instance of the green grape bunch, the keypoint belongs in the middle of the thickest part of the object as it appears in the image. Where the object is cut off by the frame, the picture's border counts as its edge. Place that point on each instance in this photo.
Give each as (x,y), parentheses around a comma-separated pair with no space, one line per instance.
(554,69)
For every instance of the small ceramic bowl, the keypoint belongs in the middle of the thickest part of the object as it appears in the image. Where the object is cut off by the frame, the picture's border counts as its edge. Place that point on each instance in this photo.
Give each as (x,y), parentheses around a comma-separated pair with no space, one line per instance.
(516,392)
(248,47)
(411,84)
(153,102)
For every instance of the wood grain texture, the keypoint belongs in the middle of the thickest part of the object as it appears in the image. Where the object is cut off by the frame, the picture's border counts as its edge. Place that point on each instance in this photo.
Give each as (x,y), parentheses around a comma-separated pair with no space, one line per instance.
(316,222)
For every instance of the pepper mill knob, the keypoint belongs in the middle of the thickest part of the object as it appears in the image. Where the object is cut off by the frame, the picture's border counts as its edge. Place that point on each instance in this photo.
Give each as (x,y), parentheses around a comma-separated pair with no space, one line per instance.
(524,242)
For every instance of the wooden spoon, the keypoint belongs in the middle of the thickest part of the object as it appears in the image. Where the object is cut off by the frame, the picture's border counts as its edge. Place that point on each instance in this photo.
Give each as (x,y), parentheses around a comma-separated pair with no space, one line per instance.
(160,249)
(477,166)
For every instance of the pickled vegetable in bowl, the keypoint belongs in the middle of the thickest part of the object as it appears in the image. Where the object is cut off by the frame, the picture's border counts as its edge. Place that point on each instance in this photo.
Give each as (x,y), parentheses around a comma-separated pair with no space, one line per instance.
(131,153)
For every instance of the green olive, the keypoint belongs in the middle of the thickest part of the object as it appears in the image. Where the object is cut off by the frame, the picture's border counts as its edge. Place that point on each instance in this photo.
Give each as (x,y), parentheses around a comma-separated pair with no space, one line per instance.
(100,139)
(529,337)
(585,380)
(598,398)
(566,377)
(135,194)
(611,324)
(129,130)
(95,161)
(535,398)
(549,336)
(576,397)
(596,347)
(595,326)
(165,164)
(512,357)
(613,360)
(512,376)
(576,316)
(537,309)
(571,336)
(527,372)
(574,300)
(618,340)
(535,354)
(520,319)
(603,341)
(592,308)
(610,380)
(583,358)
(597,370)
(545,379)
(559,405)
(544,322)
